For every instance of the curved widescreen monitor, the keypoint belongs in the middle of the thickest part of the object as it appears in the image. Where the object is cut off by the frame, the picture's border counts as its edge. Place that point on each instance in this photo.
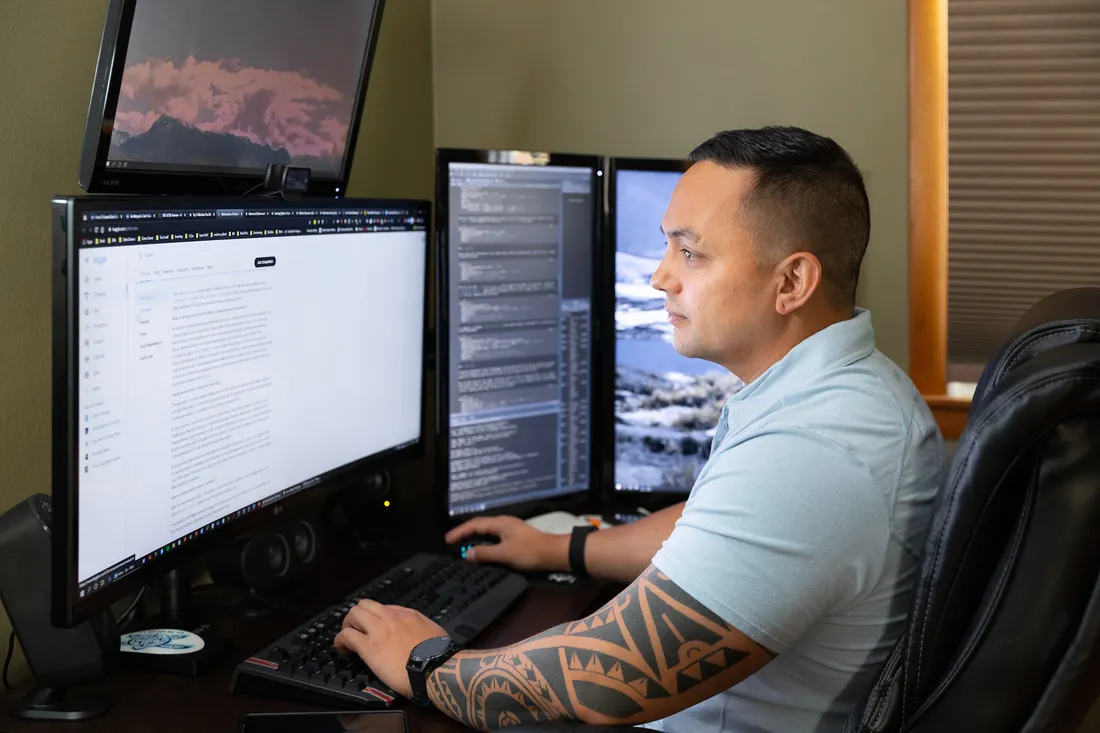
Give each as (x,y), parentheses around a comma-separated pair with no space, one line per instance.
(666,406)
(201,96)
(214,358)
(517,235)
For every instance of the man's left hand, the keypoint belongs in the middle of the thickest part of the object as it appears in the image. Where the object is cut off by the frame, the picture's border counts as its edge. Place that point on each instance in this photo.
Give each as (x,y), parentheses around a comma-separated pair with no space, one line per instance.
(383,637)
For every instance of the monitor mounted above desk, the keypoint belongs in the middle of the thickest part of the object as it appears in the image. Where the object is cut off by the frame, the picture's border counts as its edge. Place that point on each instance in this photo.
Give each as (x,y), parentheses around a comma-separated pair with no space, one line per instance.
(198,97)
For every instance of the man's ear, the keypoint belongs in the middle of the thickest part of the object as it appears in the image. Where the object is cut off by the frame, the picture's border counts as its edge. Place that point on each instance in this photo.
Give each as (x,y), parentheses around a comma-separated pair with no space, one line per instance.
(798,277)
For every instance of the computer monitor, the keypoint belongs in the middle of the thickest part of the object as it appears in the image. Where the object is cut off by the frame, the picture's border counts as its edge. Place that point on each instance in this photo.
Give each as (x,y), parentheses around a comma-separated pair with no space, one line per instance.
(517,234)
(666,406)
(213,358)
(198,97)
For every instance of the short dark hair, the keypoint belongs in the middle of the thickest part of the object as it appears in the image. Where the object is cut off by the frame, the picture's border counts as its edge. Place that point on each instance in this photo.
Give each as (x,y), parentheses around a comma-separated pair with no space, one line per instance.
(808,196)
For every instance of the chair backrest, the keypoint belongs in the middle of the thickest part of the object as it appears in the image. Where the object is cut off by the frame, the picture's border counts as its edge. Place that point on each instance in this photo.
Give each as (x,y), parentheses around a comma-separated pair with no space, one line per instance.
(1004,631)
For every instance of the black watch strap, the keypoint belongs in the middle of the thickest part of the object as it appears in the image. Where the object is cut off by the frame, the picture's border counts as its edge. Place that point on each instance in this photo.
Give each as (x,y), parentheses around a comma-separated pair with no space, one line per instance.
(418,684)
(576,549)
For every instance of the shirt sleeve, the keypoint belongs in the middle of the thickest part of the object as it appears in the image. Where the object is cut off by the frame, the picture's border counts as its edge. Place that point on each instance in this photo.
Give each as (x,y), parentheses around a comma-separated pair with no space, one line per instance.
(780,530)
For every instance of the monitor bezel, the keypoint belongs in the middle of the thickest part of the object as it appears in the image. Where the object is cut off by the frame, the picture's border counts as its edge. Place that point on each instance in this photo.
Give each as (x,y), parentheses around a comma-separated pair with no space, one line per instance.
(576,502)
(612,497)
(67,608)
(95,177)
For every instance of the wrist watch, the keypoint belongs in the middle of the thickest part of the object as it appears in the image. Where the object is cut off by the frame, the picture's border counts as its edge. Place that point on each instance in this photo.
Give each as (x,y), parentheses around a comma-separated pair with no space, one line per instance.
(576,549)
(423,660)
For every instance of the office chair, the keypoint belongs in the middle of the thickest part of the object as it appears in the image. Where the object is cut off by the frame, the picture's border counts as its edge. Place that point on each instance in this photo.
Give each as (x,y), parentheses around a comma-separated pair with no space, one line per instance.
(1004,630)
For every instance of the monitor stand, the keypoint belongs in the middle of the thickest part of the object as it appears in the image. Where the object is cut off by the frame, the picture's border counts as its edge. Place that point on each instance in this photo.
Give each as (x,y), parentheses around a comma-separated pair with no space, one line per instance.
(80,697)
(61,703)
(176,640)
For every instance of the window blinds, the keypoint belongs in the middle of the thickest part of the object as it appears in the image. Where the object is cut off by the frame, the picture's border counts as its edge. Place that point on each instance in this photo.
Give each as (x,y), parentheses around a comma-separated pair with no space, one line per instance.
(1023,162)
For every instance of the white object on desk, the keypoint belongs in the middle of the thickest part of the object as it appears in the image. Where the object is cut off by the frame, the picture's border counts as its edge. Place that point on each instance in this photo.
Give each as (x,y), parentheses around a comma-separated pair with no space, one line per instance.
(564,522)
(161,641)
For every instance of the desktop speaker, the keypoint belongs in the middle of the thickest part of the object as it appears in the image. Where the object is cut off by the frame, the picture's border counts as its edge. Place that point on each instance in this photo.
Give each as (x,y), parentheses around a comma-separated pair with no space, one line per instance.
(272,557)
(60,659)
(367,508)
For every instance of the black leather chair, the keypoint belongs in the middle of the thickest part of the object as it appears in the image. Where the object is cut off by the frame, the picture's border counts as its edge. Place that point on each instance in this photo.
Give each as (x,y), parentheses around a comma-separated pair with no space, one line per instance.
(1004,631)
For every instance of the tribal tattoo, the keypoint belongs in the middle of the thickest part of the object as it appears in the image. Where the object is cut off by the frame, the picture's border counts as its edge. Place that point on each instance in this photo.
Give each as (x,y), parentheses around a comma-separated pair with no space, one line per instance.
(650,652)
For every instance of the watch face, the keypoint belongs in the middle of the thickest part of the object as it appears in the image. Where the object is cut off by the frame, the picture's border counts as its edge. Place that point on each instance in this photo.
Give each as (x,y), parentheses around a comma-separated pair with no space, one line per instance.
(432,647)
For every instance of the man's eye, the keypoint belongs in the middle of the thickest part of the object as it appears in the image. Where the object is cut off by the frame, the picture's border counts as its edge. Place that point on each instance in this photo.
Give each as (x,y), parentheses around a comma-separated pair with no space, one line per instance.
(688,254)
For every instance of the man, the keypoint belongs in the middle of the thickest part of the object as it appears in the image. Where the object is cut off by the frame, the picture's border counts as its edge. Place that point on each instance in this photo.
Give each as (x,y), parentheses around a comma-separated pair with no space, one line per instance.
(769,600)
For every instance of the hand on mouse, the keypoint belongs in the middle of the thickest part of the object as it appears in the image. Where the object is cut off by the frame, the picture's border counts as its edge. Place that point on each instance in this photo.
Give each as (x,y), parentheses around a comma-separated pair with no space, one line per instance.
(521,546)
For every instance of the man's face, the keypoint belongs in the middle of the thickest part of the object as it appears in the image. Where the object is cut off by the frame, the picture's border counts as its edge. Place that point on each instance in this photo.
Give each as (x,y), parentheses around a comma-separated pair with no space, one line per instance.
(719,296)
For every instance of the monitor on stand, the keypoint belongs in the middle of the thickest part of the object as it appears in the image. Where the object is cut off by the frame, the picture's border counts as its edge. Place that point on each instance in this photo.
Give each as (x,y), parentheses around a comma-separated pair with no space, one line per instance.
(517,235)
(199,97)
(216,362)
(666,406)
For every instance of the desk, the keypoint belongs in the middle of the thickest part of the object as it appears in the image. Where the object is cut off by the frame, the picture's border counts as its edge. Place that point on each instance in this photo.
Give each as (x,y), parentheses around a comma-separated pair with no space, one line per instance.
(161,703)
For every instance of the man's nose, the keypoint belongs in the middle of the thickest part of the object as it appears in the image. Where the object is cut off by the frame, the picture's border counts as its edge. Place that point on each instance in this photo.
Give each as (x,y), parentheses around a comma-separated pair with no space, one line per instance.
(659,280)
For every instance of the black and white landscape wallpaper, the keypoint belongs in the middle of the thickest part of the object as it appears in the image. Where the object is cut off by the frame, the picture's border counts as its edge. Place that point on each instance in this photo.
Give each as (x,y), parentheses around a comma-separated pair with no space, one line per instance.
(666,405)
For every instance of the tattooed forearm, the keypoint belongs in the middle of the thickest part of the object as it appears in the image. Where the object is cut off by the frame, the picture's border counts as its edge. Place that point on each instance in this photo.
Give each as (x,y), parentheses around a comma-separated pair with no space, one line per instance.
(652,651)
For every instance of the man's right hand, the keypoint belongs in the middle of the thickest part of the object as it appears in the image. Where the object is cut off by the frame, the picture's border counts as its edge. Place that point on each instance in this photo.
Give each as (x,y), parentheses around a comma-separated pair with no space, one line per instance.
(521,547)
(619,553)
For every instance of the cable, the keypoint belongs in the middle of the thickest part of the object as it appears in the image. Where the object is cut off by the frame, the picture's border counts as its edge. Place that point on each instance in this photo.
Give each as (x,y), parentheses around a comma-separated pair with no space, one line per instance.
(128,615)
(262,194)
(7,659)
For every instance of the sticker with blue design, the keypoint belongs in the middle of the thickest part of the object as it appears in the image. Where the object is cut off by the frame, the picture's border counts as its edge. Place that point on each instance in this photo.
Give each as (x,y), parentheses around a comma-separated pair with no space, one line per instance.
(162,641)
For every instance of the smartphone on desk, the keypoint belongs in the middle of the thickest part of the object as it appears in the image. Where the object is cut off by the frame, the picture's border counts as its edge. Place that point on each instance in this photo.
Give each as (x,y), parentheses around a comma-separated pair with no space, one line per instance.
(360,721)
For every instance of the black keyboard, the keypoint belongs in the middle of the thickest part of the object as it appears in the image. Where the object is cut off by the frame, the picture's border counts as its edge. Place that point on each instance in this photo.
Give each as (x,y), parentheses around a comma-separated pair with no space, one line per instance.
(303,665)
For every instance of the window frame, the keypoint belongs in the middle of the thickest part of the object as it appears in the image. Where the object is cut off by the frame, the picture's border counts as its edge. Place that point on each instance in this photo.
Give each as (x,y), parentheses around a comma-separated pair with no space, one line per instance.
(928,211)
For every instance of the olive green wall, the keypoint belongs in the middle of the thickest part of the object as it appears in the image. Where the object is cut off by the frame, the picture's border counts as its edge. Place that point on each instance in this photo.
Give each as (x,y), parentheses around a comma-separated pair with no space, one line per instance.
(48,51)
(655,77)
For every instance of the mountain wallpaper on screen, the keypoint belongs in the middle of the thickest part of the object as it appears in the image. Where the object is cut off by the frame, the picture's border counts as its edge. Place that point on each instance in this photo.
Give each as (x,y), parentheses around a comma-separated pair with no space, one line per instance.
(169,140)
(241,84)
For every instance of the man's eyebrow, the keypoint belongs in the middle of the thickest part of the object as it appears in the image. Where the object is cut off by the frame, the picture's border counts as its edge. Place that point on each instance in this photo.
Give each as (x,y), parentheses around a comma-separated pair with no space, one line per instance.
(682,232)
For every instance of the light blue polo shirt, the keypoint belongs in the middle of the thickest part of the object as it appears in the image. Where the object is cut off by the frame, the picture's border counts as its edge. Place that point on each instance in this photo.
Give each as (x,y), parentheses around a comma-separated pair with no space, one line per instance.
(804,529)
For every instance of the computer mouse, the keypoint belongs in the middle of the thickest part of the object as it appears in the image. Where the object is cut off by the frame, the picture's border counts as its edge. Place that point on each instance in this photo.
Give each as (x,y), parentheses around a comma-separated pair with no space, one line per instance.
(475,540)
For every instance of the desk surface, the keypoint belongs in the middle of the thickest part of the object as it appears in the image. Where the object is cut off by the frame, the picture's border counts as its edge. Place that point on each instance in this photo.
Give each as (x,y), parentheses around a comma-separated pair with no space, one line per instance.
(166,703)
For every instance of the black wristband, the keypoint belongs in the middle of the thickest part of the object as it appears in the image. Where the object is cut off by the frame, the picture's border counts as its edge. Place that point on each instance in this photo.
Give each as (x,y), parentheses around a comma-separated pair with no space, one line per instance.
(576,549)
